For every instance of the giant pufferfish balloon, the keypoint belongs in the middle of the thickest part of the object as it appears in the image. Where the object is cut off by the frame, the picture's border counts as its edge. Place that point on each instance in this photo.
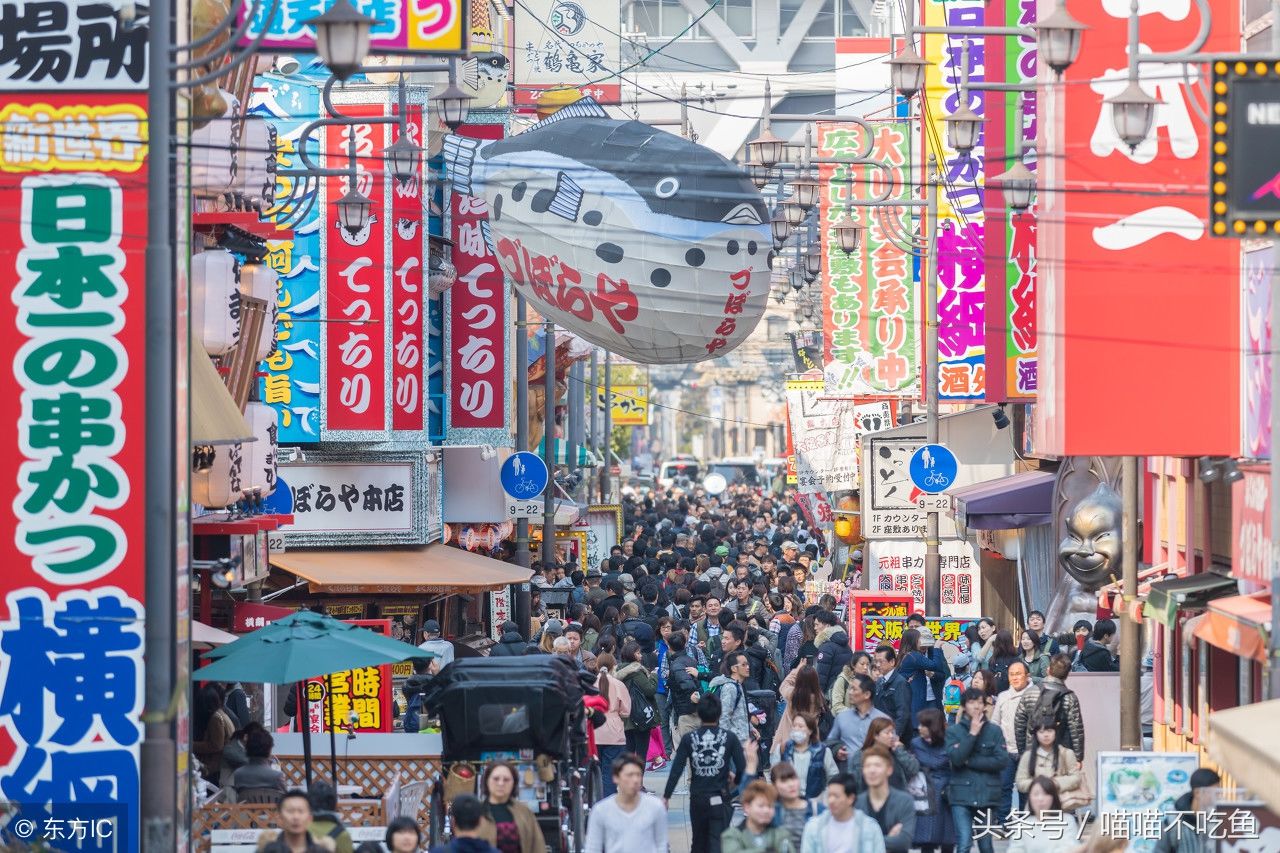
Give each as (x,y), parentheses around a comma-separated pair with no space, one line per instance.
(642,242)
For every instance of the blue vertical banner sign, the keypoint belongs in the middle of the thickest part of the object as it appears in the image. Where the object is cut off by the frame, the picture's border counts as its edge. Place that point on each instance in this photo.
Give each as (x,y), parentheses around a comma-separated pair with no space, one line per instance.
(292,382)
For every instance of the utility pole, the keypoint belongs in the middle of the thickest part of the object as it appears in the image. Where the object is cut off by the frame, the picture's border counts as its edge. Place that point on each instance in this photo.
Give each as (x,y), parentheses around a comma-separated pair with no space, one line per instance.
(593,400)
(1130,632)
(158,753)
(932,566)
(548,451)
(521,590)
(606,492)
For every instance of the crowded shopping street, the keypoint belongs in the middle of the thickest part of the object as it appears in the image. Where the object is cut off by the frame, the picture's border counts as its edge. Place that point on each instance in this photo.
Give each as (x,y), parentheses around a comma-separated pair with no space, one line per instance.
(640,426)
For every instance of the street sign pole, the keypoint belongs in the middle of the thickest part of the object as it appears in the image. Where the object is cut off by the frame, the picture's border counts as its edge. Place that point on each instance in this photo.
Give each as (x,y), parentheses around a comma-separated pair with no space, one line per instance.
(932,566)
(521,590)
(548,555)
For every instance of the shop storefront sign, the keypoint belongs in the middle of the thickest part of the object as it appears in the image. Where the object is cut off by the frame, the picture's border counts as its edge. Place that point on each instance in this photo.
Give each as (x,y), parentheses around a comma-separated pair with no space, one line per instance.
(1251,526)
(868,605)
(404,26)
(603,526)
(73,247)
(356,701)
(339,500)
(567,45)
(897,566)
(249,616)
(948,632)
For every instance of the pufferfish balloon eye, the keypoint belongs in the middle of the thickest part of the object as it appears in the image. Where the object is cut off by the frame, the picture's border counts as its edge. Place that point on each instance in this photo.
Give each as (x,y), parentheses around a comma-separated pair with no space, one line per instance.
(638,240)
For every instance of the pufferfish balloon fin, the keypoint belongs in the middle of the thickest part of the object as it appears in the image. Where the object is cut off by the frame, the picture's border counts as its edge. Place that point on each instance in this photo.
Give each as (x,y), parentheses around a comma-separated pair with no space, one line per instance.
(459,159)
(567,199)
(582,108)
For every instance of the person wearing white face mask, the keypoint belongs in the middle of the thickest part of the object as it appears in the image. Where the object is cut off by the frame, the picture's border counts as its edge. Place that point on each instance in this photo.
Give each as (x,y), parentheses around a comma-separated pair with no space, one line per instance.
(811,758)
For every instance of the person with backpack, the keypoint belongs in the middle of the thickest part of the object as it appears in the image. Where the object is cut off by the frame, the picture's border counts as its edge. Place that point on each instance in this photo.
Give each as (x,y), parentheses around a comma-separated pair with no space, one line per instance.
(642,683)
(415,690)
(924,666)
(511,644)
(735,714)
(833,649)
(716,761)
(1052,699)
(325,821)
(611,738)
(683,688)
(1045,758)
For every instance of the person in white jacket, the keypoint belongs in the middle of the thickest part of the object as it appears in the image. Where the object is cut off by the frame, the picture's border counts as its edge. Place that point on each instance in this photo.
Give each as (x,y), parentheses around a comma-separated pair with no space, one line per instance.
(1045,827)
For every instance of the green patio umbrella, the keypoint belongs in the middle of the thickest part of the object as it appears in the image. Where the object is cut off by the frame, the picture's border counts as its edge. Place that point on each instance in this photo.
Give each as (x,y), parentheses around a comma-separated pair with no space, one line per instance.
(304,645)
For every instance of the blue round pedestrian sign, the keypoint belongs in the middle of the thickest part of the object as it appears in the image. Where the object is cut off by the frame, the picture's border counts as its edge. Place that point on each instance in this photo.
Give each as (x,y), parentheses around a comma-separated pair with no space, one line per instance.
(524,475)
(933,468)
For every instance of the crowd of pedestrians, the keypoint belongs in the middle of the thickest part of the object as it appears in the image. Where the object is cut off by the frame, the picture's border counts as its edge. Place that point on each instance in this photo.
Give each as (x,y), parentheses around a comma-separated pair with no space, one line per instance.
(716,639)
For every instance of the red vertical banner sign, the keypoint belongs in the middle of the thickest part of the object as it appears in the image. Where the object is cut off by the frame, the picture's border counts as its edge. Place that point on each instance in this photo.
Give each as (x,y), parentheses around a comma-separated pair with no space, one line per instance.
(354,282)
(72,248)
(408,323)
(1130,322)
(476,314)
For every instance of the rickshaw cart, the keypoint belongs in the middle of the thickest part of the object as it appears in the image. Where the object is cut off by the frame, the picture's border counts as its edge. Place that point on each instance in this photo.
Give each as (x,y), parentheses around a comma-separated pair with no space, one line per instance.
(527,711)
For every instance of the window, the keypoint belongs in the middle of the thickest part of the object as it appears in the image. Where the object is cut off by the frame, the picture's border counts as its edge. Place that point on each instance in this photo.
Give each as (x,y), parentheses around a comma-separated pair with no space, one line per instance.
(661,18)
(851,24)
(824,25)
(739,15)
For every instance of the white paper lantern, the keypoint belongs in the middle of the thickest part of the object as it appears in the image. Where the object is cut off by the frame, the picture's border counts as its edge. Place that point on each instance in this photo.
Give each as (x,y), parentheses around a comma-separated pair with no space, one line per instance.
(260,455)
(215,301)
(642,242)
(224,483)
(215,151)
(259,281)
(258,163)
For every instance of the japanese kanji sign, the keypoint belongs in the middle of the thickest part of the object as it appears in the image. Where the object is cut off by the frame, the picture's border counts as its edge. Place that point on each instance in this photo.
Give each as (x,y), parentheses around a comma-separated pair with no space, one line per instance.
(948,632)
(630,405)
(374,364)
(356,700)
(291,381)
(405,26)
(961,226)
(70,46)
(898,567)
(476,308)
(870,298)
(358,502)
(71,624)
(827,433)
(867,605)
(1012,365)
(567,44)
(1112,255)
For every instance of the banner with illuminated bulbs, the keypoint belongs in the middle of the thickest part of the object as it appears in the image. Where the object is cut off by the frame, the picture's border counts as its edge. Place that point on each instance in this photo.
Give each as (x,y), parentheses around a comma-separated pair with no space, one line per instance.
(373,338)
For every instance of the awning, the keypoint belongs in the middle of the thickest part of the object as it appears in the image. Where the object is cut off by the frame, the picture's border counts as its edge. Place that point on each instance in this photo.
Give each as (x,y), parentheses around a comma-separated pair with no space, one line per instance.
(1239,625)
(1193,592)
(586,459)
(206,636)
(215,417)
(1245,742)
(422,569)
(1008,503)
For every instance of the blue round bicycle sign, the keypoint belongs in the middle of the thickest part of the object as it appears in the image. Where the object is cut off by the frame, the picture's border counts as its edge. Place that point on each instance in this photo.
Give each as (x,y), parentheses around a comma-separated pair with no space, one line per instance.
(524,475)
(933,468)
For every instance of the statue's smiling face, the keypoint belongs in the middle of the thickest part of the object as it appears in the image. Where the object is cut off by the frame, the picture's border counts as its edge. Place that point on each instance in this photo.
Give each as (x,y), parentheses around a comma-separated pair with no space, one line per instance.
(1092,544)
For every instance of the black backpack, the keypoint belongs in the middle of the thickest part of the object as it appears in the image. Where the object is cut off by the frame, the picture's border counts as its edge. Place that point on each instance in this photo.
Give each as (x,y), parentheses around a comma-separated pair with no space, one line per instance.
(643,715)
(1049,704)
